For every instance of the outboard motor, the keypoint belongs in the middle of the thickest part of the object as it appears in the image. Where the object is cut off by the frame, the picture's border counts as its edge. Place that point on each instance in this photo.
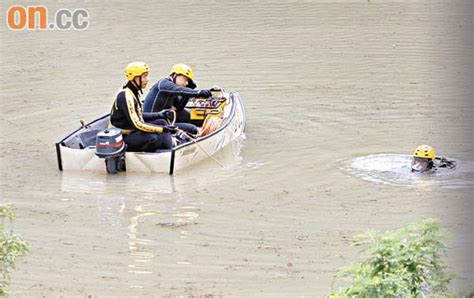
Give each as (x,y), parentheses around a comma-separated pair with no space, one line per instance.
(110,145)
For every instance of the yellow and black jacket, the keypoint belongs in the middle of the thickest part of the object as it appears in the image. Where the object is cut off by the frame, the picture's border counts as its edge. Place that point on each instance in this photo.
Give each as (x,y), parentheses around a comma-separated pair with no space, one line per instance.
(127,112)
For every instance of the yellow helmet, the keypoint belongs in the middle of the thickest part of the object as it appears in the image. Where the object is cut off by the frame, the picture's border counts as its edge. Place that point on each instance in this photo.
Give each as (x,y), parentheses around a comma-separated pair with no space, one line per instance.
(186,71)
(136,69)
(424,151)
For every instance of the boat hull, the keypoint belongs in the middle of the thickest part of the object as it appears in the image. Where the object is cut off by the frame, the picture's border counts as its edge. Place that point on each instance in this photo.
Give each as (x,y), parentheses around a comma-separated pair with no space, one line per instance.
(71,158)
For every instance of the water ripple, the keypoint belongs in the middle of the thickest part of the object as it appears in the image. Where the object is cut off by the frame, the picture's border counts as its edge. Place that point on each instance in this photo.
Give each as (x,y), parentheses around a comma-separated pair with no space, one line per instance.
(394,169)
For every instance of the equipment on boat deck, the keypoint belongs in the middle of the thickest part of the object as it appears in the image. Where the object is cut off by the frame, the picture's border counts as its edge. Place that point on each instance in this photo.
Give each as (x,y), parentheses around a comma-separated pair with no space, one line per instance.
(201,108)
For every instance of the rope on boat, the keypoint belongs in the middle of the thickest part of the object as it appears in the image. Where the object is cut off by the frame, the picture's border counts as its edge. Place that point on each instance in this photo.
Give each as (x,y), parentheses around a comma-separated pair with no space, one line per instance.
(174,117)
(199,145)
(213,119)
(211,123)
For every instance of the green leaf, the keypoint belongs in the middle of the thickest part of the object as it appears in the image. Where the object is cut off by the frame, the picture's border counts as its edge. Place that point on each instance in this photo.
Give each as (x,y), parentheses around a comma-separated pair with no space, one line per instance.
(399,263)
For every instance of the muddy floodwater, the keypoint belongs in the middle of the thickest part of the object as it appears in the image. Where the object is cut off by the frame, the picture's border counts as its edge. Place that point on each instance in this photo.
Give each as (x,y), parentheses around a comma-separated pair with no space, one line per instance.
(323,83)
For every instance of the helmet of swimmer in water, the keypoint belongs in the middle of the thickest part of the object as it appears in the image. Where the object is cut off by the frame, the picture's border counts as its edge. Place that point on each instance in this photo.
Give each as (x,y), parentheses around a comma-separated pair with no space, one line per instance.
(423,159)
(424,151)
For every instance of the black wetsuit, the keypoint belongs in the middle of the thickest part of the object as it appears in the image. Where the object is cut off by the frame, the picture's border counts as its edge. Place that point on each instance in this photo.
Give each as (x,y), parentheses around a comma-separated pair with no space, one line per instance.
(437,163)
(165,94)
(140,136)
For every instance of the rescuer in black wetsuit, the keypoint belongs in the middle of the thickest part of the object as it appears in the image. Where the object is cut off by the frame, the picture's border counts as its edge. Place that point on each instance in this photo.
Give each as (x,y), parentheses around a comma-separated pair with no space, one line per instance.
(425,160)
(173,92)
(142,132)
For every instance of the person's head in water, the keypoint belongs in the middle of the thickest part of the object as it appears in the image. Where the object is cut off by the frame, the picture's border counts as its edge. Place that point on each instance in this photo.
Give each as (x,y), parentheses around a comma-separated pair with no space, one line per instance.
(423,159)
(182,75)
(137,73)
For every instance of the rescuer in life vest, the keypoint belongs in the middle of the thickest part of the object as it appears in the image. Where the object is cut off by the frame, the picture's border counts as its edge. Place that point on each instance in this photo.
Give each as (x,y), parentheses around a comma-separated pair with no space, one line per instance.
(142,132)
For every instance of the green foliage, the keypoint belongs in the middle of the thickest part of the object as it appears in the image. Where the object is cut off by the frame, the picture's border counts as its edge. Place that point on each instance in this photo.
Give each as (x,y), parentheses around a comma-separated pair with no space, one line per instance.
(403,263)
(11,247)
